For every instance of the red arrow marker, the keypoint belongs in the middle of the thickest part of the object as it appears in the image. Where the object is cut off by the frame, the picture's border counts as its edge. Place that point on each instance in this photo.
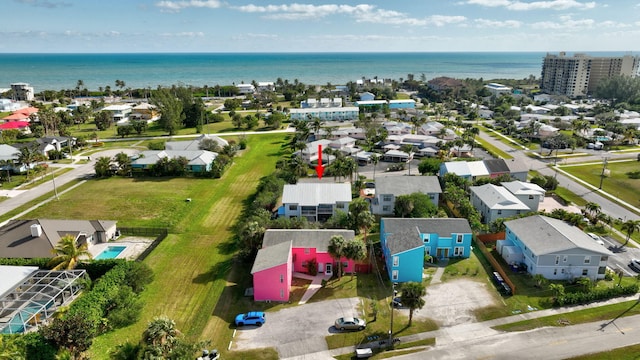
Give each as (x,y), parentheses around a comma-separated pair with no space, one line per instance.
(320,167)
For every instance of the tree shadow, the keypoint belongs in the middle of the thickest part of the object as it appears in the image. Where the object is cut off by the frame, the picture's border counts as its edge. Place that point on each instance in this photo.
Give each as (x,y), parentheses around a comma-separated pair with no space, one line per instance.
(216,272)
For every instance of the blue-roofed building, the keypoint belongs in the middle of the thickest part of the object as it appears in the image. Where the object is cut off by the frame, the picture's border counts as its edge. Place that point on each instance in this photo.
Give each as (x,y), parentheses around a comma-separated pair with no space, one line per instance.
(405,242)
(402,104)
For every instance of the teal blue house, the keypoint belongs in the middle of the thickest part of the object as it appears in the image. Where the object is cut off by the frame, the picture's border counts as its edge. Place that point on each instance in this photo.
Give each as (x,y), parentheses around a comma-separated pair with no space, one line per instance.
(405,242)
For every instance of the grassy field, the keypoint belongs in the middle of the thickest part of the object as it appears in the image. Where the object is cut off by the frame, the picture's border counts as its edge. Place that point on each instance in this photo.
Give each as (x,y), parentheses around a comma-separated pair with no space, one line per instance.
(601,313)
(617,183)
(192,264)
(625,353)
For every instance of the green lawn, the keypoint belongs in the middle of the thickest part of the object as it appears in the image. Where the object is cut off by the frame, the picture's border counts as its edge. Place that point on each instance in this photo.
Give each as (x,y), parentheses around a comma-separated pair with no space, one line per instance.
(624,353)
(617,183)
(193,263)
(493,150)
(601,313)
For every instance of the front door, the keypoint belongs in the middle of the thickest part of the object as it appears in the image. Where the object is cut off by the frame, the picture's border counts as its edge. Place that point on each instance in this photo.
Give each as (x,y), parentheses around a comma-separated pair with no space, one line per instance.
(442,253)
(328,269)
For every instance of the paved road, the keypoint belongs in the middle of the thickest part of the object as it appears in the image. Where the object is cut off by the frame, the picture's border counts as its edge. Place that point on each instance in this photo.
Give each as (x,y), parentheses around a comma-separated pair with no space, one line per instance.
(83,171)
(542,343)
(587,192)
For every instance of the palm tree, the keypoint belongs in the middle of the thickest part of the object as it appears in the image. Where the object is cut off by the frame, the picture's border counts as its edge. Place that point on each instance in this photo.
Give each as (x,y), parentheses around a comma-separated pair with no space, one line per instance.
(336,249)
(403,205)
(68,253)
(375,158)
(630,227)
(592,208)
(102,166)
(412,293)
(557,289)
(160,337)
(355,250)
(27,156)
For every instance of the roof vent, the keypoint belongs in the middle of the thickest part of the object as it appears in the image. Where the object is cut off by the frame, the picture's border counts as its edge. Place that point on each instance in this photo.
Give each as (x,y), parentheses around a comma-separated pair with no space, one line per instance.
(36,230)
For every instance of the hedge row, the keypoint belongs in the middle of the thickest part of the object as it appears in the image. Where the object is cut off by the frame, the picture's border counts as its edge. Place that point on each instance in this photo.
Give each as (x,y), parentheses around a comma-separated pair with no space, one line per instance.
(113,301)
(595,295)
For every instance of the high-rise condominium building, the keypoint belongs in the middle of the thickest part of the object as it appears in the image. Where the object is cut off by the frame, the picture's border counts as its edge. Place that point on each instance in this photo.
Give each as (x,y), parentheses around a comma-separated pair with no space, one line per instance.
(580,74)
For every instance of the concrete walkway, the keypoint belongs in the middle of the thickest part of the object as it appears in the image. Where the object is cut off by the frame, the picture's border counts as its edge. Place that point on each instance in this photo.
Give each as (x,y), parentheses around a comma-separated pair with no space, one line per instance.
(436,279)
(316,284)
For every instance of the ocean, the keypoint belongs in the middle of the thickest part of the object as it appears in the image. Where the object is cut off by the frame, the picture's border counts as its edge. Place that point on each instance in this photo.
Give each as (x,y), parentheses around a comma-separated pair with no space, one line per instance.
(150,70)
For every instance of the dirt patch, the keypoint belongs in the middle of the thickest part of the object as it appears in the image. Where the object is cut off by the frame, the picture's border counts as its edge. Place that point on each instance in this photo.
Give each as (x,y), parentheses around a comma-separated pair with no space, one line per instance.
(453,302)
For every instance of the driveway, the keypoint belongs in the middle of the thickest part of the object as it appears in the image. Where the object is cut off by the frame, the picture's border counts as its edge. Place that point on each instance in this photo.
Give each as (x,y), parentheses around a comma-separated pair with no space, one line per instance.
(453,302)
(297,330)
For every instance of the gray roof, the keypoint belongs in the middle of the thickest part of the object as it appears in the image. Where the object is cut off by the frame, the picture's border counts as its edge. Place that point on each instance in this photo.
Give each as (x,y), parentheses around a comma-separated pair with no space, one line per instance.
(441,226)
(516,166)
(194,144)
(523,188)
(498,198)
(404,240)
(195,157)
(8,152)
(16,240)
(404,185)
(545,235)
(496,166)
(313,194)
(271,256)
(304,238)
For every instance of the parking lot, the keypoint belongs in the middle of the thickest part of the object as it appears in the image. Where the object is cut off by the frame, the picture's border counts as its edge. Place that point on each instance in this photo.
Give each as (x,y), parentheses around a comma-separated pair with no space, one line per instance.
(297,330)
(453,302)
(622,256)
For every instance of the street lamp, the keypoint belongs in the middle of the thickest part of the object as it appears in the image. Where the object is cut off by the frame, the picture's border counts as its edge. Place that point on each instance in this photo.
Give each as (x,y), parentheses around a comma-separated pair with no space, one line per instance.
(604,168)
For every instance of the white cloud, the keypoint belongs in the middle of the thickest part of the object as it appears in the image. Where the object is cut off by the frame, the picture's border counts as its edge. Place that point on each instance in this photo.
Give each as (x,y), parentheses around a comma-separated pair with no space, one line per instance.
(45,3)
(565,23)
(305,11)
(485,23)
(176,6)
(184,34)
(534,5)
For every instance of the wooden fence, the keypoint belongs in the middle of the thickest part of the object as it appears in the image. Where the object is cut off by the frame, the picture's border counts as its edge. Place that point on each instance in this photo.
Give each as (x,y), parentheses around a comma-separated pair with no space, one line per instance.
(494,263)
(159,234)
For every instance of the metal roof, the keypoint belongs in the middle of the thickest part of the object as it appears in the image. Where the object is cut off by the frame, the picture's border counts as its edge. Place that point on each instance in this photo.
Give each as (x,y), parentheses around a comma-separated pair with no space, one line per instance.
(405,185)
(545,235)
(305,238)
(271,256)
(312,194)
(498,198)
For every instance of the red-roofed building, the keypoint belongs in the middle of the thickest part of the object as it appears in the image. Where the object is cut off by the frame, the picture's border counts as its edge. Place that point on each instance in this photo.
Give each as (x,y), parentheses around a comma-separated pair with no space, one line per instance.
(16,117)
(27,111)
(20,125)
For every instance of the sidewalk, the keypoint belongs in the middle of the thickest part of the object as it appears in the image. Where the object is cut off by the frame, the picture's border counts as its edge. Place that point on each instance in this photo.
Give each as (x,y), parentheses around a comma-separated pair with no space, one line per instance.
(463,332)
(316,284)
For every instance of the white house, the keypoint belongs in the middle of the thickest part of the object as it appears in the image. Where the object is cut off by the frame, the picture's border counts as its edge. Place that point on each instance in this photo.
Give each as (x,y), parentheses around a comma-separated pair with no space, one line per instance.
(530,194)
(246,89)
(325,114)
(119,113)
(390,187)
(495,202)
(315,201)
(498,89)
(555,249)
(266,86)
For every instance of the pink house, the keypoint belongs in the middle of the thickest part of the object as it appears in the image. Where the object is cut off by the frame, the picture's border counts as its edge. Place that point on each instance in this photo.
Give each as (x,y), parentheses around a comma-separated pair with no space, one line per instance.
(286,251)
(272,273)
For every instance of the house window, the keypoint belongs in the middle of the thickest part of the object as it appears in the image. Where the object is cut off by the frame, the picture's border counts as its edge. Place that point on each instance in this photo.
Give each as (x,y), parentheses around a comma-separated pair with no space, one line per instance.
(555,271)
(604,258)
(587,259)
(307,250)
(530,197)
(293,207)
(562,271)
(499,212)
(459,238)
(557,259)
(281,293)
(386,208)
(340,205)
(564,259)
(281,278)
(394,275)
(427,250)
(345,264)
(304,264)
(396,260)
(386,197)
(585,272)
(431,196)
(458,251)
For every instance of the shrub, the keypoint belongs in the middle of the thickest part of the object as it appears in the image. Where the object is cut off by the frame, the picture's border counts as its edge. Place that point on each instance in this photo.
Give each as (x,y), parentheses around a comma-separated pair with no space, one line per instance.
(156,145)
(594,295)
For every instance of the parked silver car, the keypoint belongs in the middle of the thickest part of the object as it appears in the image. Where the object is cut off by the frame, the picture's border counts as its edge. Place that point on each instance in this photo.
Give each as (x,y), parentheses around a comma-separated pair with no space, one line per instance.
(350,323)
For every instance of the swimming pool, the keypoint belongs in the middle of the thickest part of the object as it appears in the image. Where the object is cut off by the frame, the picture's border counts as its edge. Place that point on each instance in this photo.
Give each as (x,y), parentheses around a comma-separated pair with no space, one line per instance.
(111,252)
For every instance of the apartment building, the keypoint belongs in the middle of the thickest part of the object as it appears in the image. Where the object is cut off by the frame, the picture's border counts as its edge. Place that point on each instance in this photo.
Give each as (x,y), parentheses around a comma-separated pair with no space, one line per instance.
(580,74)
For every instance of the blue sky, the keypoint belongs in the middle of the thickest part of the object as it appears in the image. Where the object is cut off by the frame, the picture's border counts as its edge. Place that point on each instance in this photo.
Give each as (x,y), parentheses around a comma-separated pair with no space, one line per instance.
(318,26)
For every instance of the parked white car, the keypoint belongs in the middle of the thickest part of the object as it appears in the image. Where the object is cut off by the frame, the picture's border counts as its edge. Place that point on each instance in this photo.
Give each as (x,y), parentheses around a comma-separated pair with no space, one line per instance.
(596,238)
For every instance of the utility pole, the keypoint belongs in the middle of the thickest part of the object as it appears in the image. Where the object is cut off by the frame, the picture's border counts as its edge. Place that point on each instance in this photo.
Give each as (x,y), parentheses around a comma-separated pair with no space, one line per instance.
(393,294)
(604,168)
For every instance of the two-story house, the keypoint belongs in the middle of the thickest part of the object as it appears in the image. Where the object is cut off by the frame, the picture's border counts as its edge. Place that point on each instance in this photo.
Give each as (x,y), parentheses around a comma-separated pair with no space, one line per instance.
(315,201)
(390,187)
(554,249)
(405,242)
(495,202)
(530,194)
